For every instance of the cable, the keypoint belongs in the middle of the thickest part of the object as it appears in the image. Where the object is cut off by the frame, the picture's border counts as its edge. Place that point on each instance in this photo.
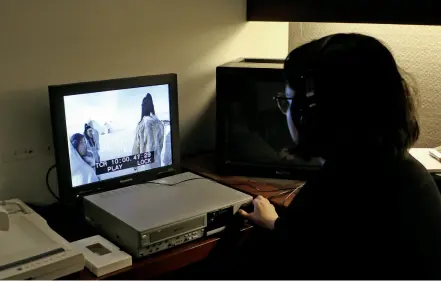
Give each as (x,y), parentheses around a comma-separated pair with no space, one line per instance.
(291,192)
(47,182)
(282,193)
(252,186)
(289,195)
(282,190)
(240,184)
(173,184)
(294,192)
(286,190)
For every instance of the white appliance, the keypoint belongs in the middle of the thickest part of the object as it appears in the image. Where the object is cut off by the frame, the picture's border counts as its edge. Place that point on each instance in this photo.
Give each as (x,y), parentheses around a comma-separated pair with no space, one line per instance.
(102,257)
(148,218)
(30,249)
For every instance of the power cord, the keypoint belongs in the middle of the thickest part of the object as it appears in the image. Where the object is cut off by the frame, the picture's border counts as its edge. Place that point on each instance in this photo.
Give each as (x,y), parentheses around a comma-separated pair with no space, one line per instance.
(241,184)
(173,184)
(291,192)
(281,194)
(294,192)
(256,188)
(284,190)
(289,195)
(47,182)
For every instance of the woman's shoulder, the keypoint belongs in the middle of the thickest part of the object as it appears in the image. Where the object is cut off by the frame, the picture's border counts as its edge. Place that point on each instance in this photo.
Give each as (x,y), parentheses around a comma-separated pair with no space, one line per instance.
(412,170)
(374,173)
(415,179)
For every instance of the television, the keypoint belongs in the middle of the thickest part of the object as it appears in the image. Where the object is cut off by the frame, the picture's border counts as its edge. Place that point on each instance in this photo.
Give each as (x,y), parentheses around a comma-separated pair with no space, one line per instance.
(252,133)
(113,133)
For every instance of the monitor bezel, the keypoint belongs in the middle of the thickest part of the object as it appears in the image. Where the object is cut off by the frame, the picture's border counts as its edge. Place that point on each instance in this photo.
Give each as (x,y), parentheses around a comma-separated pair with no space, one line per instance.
(67,193)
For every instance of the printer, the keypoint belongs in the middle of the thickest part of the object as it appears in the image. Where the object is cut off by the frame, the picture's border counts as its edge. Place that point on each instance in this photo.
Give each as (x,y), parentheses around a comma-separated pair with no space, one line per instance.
(30,249)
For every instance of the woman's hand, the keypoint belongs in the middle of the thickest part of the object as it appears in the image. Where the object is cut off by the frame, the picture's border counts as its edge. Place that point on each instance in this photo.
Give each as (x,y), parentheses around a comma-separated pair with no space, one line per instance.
(264,213)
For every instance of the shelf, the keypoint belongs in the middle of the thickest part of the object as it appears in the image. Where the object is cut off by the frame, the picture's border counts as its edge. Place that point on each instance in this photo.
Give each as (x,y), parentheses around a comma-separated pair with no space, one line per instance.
(418,12)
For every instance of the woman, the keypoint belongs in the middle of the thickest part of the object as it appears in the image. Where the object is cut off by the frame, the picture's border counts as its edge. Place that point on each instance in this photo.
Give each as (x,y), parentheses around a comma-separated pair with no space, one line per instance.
(80,144)
(372,212)
(82,171)
(92,139)
(149,136)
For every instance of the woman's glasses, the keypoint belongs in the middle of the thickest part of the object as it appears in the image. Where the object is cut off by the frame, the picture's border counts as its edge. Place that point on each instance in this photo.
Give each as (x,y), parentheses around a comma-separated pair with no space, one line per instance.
(282,102)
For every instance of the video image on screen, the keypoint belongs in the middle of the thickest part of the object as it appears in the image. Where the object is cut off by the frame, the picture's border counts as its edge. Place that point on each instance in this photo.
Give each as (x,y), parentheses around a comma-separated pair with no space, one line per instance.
(117,133)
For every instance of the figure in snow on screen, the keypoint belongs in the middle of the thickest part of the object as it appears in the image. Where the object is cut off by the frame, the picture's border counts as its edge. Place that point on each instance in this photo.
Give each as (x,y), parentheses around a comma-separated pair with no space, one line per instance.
(82,163)
(80,144)
(92,141)
(149,133)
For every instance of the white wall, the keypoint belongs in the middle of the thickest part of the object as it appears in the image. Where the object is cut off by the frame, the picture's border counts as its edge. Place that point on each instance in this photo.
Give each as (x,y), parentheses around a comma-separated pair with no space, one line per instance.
(54,42)
(417,50)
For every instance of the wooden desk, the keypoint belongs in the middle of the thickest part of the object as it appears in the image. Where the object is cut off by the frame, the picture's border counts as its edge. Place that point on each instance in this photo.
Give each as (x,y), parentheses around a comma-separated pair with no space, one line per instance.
(268,187)
(161,264)
(69,224)
(72,227)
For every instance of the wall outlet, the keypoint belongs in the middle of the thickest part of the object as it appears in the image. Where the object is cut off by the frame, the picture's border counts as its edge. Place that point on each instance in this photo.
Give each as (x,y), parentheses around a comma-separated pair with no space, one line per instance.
(18,155)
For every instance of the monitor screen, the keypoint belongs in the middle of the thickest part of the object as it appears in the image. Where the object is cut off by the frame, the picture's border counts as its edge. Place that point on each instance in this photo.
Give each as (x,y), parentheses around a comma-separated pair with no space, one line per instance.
(256,128)
(115,133)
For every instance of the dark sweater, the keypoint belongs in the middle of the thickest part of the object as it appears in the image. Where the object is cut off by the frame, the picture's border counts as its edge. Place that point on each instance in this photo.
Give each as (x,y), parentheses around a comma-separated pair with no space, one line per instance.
(357,219)
(361,219)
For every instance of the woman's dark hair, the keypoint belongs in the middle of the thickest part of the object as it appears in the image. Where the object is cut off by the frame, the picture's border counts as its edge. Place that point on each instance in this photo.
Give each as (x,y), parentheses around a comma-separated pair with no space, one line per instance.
(362,101)
(147,106)
(76,139)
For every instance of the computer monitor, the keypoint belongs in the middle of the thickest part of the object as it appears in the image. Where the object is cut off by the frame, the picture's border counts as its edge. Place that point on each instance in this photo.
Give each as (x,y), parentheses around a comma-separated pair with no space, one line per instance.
(114,133)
